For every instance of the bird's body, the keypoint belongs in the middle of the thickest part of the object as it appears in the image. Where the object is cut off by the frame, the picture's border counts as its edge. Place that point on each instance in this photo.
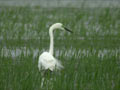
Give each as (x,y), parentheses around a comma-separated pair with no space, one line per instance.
(46,59)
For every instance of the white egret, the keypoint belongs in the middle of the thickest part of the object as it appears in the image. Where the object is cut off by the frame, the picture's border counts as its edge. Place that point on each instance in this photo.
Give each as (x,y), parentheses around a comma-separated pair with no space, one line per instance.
(46,60)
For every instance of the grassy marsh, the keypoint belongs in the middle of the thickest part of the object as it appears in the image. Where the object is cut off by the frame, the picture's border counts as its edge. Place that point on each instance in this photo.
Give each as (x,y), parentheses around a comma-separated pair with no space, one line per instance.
(91,56)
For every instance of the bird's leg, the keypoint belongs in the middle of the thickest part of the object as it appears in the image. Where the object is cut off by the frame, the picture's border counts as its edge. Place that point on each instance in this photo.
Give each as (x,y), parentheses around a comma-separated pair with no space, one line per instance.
(42,81)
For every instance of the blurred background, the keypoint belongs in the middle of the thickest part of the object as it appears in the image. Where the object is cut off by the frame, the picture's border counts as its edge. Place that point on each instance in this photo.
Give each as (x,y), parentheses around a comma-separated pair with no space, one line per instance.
(62,3)
(90,56)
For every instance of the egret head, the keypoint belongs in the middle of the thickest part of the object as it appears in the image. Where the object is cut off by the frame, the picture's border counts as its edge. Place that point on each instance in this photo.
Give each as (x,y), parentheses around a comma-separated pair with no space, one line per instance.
(59,26)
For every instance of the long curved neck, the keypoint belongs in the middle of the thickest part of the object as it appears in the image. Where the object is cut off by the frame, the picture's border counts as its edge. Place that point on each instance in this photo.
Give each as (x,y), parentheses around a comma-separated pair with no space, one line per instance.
(51,49)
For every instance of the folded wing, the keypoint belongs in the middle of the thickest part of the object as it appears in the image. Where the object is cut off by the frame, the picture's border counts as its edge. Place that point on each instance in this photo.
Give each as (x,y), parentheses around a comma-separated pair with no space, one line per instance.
(47,61)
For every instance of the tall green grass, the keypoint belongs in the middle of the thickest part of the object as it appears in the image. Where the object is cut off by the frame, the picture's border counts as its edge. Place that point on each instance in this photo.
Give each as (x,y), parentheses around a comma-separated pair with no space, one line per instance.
(91,55)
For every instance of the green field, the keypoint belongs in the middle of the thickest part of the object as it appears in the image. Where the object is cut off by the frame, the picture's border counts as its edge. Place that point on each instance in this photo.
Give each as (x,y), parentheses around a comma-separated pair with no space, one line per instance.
(90,56)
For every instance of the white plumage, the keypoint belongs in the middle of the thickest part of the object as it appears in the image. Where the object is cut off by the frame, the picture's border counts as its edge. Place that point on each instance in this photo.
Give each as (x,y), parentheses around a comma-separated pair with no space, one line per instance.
(46,59)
